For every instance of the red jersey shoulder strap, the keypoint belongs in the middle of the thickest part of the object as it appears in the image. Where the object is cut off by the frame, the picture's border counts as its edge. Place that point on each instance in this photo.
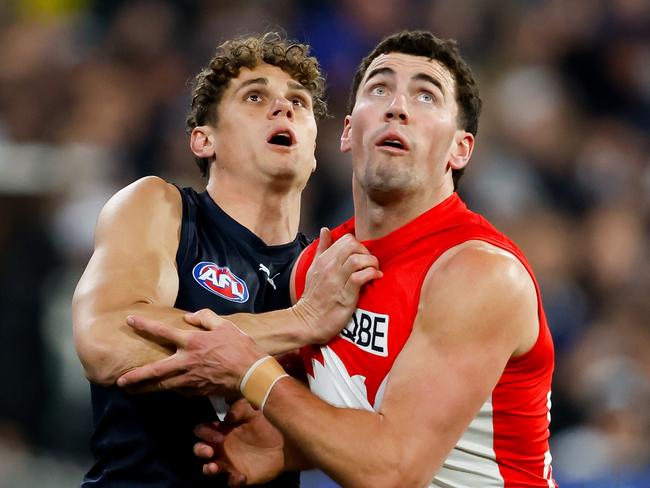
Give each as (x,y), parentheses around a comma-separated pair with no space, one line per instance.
(302,265)
(307,256)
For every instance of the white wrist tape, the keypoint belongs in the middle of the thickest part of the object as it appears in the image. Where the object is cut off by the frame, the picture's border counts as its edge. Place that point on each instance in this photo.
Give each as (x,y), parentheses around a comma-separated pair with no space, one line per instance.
(260,378)
(249,373)
(268,392)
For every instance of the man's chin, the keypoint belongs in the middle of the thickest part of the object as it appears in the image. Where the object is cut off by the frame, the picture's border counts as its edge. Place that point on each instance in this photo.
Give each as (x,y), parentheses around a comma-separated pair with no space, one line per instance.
(288,176)
(387,180)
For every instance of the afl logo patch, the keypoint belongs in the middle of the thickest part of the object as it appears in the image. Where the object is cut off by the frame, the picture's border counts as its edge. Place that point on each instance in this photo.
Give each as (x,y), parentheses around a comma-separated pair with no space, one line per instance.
(220,281)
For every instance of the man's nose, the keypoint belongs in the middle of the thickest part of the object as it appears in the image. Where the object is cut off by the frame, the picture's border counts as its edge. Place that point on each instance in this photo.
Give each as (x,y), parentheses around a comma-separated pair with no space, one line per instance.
(397,110)
(281,107)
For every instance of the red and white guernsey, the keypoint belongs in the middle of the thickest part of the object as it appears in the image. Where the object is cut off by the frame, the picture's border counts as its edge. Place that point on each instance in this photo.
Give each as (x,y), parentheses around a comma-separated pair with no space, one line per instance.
(506,445)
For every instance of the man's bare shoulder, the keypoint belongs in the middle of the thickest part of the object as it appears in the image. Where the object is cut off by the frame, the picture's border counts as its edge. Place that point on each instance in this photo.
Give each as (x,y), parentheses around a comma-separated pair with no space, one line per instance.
(149,201)
(150,192)
(480,264)
(481,288)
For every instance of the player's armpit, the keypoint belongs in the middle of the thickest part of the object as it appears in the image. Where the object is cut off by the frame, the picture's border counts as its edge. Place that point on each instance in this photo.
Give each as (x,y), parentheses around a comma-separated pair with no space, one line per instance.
(132,270)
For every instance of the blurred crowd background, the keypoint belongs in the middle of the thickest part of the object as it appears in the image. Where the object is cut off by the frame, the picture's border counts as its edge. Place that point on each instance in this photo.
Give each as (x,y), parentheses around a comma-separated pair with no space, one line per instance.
(93,95)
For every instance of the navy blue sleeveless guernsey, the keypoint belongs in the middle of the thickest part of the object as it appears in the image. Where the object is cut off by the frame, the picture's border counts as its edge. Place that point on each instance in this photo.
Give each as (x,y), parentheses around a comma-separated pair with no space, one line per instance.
(146,440)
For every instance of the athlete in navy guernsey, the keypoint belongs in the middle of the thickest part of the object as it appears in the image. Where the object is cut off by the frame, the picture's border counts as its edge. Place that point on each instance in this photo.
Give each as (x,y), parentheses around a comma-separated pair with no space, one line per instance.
(161,253)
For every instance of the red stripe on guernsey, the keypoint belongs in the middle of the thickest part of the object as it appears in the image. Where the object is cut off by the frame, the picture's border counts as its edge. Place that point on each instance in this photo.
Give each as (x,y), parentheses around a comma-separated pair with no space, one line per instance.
(302,266)
(304,261)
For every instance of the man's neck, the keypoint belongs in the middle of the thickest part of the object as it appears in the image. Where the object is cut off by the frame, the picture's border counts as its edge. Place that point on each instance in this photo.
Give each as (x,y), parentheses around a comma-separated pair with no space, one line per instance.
(271,214)
(375,219)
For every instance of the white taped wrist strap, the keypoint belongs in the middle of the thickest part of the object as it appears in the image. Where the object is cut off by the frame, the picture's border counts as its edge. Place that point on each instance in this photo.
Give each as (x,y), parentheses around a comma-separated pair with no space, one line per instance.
(260,378)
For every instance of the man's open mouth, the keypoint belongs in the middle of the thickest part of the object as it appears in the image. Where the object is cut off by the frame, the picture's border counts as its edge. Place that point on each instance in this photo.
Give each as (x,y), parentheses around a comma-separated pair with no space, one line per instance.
(282,138)
(392,143)
(392,140)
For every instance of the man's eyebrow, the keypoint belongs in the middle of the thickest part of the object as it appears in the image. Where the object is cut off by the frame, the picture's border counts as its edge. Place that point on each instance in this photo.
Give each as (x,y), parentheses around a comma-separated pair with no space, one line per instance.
(429,79)
(294,85)
(380,71)
(254,81)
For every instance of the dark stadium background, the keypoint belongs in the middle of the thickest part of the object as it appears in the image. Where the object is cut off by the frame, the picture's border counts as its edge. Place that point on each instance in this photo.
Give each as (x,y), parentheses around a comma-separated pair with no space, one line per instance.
(93,95)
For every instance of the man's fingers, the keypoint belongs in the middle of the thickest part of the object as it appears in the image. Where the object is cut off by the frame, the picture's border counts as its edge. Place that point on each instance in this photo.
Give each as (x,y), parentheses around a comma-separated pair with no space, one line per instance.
(338,251)
(357,262)
(236,479)
(157,329)
(185,384)
(216,466)
(142,388)
(152,371)
(208,320)
(203,450)
(208,433)
(324,241)
(357,280)
(210,469)
(345,247)
(336,254)
(240,410)
(204,318)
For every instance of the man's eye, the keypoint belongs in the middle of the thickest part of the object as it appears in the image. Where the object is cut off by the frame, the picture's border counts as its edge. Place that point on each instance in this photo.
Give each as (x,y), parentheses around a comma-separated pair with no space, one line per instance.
(254,97)
(298,102)
(378,90)
(426,97)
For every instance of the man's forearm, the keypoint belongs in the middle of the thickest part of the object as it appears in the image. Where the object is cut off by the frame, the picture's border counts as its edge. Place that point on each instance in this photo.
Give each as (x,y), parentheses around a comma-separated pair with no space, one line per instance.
(351,446)
(108,347)
(276,332)
(294,457)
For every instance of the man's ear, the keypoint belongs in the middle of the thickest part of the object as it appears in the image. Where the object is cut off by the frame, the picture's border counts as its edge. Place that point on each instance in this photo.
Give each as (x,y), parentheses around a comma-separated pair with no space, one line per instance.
(346,144)
(462,150)
(203,142)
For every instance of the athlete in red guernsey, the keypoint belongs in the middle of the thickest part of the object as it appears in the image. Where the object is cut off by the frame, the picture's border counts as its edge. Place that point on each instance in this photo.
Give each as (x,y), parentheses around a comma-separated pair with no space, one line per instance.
(507,442)
(443,375)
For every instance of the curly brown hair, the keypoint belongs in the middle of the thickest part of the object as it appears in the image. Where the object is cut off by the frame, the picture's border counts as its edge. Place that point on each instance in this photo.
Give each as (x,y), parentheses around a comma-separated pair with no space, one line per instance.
(423,43)
(248,52)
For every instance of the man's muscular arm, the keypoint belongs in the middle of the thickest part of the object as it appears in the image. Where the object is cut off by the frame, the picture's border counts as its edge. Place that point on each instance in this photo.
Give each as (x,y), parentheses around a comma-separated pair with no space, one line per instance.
(478,308)
(133,272)
(331,292)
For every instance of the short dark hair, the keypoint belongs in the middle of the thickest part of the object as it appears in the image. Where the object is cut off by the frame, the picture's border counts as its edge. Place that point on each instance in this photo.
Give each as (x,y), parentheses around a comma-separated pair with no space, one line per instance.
(423,43)
(251,51)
